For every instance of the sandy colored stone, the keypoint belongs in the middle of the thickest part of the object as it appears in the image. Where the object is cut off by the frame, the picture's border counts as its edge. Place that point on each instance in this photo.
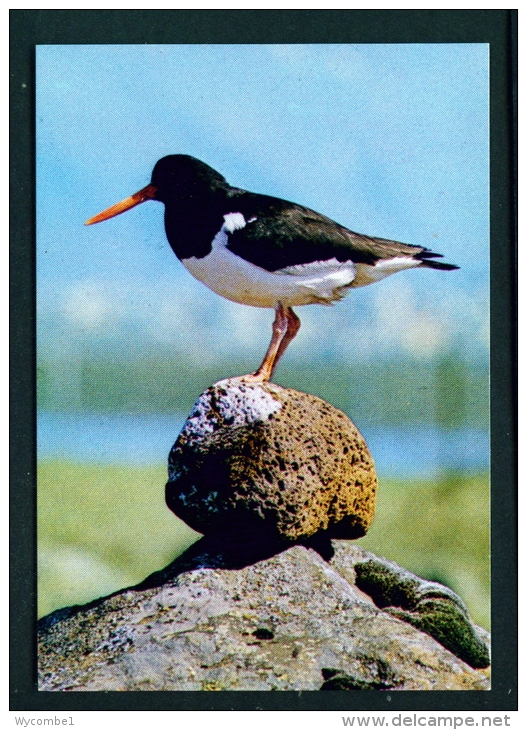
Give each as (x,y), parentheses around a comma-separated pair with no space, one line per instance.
(270,462)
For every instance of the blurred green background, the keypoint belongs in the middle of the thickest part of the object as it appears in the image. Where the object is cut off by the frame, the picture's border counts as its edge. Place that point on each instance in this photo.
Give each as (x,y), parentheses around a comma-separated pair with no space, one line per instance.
(103,527)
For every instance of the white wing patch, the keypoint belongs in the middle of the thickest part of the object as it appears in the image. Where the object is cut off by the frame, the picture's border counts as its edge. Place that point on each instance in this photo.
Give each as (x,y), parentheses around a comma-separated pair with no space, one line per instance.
(234,221)
(318,267)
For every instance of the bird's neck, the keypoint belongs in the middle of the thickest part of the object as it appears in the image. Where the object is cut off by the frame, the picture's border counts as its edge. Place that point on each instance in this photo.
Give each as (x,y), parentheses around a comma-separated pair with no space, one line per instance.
(191,226)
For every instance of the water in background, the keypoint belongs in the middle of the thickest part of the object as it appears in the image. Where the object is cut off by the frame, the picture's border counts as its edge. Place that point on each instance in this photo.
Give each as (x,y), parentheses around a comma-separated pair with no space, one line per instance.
(422,452)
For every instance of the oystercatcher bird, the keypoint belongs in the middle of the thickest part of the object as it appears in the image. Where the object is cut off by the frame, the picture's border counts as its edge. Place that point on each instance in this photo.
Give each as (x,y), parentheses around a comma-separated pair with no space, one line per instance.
(264,251)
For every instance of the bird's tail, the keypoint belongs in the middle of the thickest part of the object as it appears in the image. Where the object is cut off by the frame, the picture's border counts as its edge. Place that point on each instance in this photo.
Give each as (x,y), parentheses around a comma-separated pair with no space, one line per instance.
(430,264)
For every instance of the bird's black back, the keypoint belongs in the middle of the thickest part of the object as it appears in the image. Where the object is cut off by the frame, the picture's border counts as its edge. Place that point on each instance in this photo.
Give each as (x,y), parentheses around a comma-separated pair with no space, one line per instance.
(278,234)
(285,234)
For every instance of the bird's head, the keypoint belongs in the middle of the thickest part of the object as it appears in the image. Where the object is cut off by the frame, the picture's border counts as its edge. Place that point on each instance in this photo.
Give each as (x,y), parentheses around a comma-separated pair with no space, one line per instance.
(182,176)
(175,178)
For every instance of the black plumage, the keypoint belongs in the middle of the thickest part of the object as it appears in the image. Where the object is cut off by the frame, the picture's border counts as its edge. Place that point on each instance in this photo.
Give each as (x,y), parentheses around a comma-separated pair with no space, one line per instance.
(280,234)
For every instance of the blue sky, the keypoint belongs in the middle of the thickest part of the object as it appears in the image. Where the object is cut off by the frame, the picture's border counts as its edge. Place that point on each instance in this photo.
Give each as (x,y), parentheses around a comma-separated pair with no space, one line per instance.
(389,140)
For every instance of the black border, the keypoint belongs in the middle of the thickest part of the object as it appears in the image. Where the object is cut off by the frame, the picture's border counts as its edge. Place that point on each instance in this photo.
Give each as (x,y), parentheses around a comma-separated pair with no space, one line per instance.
(496,27)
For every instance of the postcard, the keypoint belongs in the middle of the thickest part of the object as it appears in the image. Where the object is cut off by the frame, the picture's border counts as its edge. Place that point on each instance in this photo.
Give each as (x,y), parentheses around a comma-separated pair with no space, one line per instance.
(263,368)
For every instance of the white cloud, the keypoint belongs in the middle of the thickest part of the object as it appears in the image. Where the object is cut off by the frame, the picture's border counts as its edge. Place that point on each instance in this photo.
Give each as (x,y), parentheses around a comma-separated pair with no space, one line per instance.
(87,306)
(396,318)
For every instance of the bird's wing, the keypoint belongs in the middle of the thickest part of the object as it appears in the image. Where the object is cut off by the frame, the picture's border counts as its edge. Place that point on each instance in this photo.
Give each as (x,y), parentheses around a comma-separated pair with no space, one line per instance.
(279,235)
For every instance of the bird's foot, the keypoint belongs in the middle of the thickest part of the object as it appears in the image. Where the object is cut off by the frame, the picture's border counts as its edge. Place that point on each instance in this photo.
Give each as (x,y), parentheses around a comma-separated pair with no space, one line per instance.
(256,377)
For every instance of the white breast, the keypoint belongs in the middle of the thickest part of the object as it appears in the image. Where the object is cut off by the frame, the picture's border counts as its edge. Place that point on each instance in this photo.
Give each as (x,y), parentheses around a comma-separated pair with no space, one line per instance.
(232,277)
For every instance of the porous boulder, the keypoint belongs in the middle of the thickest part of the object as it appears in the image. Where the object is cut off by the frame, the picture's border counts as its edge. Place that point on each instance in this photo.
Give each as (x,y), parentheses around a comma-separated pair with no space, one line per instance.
(271,463)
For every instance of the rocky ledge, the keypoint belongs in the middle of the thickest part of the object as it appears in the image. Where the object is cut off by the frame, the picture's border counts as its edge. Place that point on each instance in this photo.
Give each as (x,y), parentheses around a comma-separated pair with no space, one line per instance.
(214,620)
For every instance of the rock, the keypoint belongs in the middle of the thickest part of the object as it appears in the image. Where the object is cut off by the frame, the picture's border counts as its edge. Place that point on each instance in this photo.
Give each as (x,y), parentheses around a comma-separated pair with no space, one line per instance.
(427,605)
(271,463)
(289,621)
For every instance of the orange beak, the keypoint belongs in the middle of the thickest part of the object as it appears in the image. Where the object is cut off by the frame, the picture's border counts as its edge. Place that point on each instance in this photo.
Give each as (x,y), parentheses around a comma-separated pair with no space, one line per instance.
(147,193)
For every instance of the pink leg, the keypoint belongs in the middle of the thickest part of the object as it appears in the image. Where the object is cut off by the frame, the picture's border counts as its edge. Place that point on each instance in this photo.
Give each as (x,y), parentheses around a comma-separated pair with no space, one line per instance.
(285,327)
(293,325)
